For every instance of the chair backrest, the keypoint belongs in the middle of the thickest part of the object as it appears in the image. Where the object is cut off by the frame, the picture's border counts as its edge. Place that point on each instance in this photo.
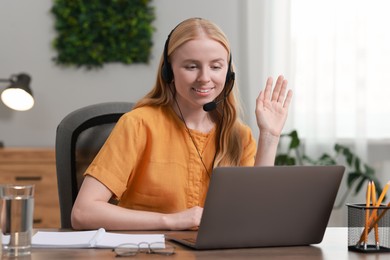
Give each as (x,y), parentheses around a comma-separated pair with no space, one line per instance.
(79,137)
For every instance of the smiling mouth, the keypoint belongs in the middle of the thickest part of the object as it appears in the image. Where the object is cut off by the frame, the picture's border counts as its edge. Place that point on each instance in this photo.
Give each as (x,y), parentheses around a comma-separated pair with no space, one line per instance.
(202,90)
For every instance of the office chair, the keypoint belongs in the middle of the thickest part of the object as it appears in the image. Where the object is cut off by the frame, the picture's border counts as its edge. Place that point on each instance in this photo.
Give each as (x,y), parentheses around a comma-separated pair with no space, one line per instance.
(79,137)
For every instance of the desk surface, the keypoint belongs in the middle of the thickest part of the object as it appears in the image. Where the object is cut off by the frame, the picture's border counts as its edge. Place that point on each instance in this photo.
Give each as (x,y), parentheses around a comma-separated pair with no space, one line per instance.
(333,246)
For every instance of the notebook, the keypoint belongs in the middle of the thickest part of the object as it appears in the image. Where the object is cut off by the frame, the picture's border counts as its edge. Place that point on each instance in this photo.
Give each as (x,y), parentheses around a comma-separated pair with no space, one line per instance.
(265,206)
(90,239)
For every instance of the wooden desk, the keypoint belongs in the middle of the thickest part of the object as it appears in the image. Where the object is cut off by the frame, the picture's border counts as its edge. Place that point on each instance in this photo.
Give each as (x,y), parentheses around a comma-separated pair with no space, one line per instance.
(334,246)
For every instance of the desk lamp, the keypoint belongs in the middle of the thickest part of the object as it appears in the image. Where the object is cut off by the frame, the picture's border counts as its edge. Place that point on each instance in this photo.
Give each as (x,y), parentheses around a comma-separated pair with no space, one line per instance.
(18,95)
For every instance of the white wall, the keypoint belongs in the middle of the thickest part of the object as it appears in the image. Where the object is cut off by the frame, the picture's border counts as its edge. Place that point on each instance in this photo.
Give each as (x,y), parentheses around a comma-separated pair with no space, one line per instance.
(26,31)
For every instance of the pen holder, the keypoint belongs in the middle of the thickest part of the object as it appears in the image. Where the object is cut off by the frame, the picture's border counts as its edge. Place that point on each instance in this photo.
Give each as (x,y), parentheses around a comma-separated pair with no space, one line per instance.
(368,228)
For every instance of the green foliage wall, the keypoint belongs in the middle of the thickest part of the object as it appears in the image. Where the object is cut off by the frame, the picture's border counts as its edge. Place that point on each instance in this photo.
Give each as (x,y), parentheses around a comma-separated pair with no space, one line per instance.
(93,32)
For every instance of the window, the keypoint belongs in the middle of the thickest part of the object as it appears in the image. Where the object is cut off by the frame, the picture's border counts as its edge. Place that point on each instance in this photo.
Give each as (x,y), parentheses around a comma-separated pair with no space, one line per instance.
(340,62)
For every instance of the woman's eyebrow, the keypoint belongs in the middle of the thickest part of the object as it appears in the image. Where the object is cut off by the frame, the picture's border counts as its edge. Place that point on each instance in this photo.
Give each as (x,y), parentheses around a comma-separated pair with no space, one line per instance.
(195,60)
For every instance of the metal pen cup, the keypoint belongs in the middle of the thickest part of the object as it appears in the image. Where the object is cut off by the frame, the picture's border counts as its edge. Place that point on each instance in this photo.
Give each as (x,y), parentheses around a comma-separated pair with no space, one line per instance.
(368,228)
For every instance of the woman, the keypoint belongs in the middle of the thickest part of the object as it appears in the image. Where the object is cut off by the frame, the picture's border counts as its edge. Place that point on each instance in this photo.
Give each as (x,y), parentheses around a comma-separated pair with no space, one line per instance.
(159,157)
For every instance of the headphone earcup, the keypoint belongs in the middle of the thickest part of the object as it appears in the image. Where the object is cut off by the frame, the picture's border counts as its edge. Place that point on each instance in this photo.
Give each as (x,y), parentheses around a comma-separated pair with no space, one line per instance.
(230,75)
(166,72)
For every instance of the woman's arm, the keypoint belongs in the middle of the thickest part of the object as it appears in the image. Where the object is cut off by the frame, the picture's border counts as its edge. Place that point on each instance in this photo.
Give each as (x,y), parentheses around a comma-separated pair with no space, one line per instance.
(92,210)
(271,114)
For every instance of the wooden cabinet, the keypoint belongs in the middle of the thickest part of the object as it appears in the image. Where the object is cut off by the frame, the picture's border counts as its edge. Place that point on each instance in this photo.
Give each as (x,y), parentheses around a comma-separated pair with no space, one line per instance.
(34,166)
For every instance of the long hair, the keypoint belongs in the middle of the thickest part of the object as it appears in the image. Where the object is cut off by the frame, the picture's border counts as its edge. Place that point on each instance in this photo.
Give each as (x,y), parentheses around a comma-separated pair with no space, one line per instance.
(226,116)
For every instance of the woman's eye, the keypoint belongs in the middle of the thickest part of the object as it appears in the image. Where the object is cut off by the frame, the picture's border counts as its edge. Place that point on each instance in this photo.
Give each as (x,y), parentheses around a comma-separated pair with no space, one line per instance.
(191,67)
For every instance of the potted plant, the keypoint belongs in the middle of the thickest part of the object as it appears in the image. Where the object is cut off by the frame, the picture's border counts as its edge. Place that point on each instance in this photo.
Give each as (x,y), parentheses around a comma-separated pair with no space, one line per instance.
(358,172)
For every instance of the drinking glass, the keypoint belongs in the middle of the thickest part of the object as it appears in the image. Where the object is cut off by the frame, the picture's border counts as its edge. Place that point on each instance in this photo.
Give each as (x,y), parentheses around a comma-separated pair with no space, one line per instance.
(17,208)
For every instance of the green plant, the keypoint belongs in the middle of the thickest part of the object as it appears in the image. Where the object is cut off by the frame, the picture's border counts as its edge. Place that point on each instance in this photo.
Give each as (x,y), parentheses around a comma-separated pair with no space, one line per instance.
(93,32)
(357,171)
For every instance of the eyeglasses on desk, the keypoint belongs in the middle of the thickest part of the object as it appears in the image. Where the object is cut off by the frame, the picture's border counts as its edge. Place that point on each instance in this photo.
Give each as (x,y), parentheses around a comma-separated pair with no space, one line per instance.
(129,249)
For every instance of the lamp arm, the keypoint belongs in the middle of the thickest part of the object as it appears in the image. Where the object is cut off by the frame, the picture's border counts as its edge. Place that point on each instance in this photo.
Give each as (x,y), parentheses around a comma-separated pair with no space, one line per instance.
(5,80)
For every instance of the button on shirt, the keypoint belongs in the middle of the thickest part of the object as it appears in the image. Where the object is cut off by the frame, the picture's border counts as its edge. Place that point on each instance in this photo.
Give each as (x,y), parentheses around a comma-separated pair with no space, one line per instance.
(150,163)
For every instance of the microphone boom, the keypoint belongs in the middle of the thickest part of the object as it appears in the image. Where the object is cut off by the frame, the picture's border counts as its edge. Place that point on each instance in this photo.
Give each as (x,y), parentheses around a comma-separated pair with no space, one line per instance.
(210,106)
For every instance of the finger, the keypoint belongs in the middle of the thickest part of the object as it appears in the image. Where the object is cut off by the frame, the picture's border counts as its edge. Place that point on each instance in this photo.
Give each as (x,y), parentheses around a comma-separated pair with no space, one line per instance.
(288,99)
(259,100)
(261,95)
(278,85)
(283,91)
(268,88)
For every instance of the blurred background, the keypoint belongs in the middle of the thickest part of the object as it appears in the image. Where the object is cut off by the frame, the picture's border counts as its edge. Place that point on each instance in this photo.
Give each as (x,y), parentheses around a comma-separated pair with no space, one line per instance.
(335,54)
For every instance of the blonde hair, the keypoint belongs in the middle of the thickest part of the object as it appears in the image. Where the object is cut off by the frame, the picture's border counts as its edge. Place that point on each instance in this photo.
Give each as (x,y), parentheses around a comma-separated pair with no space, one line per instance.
(226,117)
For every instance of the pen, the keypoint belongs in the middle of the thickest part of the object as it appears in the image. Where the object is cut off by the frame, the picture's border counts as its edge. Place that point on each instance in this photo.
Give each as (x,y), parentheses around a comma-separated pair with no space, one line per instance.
(379,218)
(368,202)
(375,214)
(383,194)
(378,203)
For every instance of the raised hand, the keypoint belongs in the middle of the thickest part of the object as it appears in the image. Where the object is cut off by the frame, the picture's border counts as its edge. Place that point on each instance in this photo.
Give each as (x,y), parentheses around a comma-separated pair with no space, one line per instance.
(272,106)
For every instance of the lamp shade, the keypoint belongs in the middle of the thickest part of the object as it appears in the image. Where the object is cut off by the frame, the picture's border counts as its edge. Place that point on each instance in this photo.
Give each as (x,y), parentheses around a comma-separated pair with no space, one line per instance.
(18,95)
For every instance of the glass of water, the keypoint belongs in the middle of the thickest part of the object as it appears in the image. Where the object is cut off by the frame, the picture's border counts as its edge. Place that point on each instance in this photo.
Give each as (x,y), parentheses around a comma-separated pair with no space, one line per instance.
(17,209)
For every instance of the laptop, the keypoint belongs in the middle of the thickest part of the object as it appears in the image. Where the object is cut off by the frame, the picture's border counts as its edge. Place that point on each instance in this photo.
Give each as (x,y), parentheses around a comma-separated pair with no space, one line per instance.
(265,207)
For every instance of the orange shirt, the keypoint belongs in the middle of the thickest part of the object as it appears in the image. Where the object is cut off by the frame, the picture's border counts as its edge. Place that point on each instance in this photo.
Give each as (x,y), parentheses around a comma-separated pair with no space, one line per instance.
(150,163)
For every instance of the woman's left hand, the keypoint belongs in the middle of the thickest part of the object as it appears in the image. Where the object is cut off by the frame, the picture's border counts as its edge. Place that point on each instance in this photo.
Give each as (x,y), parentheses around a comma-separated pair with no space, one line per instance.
(272,107)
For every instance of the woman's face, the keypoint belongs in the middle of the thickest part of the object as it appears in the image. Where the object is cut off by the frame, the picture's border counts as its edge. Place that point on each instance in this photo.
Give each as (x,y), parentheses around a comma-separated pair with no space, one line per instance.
(199,68)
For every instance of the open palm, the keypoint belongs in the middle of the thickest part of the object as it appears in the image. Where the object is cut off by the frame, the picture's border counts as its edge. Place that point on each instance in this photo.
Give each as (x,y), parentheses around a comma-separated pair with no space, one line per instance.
(272,106)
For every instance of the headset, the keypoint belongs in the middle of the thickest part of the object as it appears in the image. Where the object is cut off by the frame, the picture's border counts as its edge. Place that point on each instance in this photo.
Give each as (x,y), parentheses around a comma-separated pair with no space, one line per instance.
(167,72)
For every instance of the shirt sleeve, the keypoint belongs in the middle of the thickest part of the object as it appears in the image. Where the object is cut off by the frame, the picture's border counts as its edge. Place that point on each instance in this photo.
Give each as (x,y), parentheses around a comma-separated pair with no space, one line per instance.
(118,157)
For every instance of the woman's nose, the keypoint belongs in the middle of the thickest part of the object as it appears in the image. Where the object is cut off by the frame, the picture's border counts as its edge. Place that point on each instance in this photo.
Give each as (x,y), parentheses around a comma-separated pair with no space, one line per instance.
(204,75)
